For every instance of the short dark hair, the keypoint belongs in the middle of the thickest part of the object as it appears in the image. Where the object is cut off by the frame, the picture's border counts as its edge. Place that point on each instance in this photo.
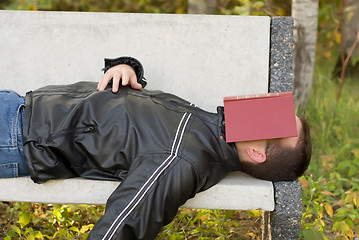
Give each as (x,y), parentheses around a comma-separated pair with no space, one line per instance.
(283,163)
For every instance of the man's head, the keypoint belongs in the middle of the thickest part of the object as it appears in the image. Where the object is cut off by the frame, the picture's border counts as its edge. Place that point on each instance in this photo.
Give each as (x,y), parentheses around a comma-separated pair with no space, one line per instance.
(283,159)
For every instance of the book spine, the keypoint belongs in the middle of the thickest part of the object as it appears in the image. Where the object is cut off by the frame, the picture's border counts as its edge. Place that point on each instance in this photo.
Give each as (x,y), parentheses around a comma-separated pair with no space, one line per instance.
(254,96)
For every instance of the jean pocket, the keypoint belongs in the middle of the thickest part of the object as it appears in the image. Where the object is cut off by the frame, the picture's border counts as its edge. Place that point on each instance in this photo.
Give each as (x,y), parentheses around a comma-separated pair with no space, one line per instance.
(9,170)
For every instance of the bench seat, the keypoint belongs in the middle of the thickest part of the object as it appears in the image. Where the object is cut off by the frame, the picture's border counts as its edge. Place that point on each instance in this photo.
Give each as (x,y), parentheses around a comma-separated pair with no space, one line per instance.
(237,188)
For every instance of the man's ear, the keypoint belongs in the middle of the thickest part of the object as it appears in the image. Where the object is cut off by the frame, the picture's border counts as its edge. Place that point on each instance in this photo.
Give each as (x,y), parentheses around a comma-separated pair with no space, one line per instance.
(257,154)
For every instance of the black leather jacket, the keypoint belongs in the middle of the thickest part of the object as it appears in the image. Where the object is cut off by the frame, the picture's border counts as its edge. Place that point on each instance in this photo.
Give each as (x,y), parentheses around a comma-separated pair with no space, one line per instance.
(162,148)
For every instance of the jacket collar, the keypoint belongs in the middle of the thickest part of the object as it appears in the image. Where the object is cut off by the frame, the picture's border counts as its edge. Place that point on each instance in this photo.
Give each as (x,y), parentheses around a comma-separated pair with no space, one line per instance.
(230,152)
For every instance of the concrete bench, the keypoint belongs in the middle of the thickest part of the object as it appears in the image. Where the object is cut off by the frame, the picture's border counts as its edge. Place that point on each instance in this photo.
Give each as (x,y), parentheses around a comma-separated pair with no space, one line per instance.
(201,58)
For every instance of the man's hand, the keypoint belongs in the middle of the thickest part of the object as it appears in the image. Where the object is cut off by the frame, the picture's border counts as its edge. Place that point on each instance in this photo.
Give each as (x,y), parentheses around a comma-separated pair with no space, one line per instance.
(116,73)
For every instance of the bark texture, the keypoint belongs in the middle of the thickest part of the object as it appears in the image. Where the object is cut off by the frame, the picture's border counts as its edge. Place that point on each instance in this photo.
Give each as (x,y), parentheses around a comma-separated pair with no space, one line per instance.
(305,15)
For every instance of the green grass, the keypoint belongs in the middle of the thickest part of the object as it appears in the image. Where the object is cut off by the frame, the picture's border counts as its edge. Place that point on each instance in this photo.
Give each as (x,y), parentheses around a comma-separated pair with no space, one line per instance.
(334,125)
(331,185)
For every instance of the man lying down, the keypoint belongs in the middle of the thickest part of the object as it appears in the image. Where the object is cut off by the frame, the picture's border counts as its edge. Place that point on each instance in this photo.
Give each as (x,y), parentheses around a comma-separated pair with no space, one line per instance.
(163,149)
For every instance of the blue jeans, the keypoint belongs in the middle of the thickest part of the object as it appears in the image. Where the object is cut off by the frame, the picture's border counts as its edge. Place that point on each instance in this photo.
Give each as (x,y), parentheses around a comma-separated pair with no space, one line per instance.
(12,160)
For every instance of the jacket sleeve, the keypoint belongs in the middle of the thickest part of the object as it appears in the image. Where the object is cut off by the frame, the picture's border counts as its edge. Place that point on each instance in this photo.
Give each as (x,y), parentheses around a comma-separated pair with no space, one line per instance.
(133,62)
(146,200)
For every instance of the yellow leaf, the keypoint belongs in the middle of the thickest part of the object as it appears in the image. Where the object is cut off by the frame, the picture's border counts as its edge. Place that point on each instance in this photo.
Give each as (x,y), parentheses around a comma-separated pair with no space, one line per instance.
(24,219)
(329,210)
(344,227)
(280,12)
(337,37)
(30,237)
(348,197)
(75,229)
(86,228)
(254,213)
(356,200)
(39,235)
(356,152)
(179,11)
(350,16)
(16,229)
(251,235)
(321,222)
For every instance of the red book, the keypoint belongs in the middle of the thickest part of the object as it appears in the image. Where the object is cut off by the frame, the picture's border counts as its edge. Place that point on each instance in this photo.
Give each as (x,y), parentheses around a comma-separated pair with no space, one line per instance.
(258,117)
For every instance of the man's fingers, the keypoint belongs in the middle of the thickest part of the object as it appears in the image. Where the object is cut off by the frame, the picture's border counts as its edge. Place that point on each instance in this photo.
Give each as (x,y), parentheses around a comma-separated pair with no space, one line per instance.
(116,83)
(120,73)
(125,79)
(106,78)
(134,83)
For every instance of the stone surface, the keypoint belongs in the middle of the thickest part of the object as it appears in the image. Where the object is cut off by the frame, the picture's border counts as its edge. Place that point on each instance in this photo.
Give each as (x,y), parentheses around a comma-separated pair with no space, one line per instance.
(281,55)
(236,191)
(285,220)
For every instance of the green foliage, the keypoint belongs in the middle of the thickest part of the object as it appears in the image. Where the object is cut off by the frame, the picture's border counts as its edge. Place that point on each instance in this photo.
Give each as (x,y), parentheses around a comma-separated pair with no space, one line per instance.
(247,7)
(45,221)
(330,18)
(238,7)
(254,7)
(143,6)
(331,187)
(211,224)
(328,47)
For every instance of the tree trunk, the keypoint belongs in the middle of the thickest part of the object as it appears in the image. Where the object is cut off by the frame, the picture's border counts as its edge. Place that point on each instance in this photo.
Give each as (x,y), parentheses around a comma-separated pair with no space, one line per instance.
(201,6)
(305,15)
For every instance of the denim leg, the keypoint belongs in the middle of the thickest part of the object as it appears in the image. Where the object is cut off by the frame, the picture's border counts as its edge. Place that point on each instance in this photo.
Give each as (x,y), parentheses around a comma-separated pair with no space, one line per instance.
(12,160)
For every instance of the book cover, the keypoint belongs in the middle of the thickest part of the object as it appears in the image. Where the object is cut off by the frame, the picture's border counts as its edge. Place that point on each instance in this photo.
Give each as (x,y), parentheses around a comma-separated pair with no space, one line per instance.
(258,117)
